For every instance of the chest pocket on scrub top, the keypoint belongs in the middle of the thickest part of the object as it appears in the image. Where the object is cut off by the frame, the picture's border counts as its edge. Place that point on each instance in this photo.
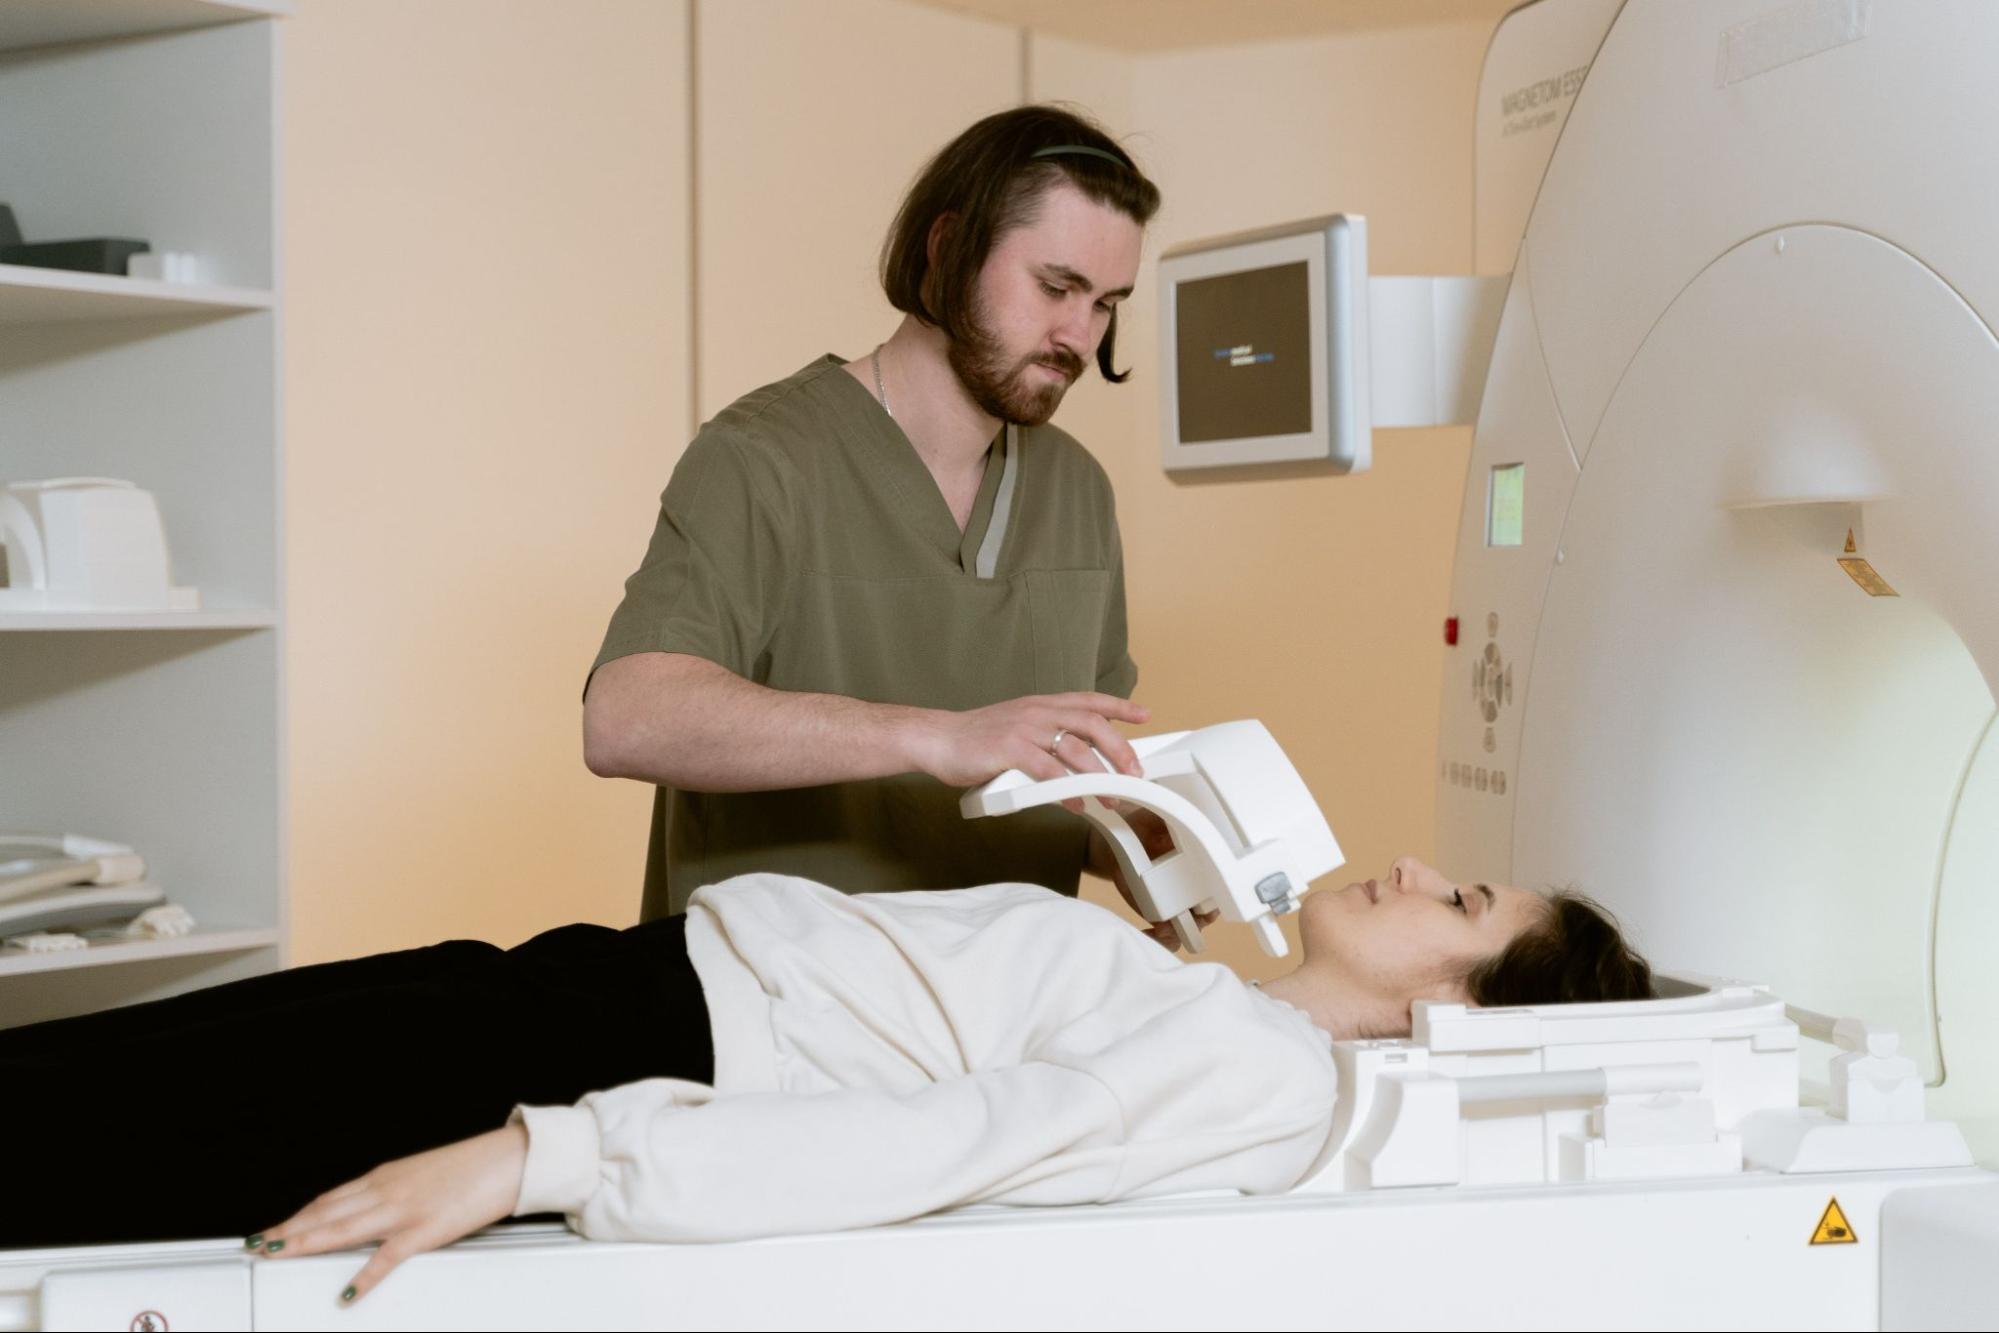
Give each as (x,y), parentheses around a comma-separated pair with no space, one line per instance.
(1066,610)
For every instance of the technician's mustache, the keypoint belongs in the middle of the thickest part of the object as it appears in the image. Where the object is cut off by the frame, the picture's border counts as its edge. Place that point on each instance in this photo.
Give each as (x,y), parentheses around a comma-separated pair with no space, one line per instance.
(1069,364)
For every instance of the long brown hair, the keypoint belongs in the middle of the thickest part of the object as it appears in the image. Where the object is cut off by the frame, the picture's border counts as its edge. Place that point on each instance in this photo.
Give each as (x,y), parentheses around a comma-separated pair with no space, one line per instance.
(1574,954)
(989,180)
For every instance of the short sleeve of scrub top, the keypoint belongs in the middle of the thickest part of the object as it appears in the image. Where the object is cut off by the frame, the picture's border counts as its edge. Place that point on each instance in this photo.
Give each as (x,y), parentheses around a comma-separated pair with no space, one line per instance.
(718,569)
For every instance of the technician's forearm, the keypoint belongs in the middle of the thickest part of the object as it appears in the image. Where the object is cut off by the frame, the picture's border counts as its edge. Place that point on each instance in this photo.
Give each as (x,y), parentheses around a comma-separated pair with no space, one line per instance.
(685,722)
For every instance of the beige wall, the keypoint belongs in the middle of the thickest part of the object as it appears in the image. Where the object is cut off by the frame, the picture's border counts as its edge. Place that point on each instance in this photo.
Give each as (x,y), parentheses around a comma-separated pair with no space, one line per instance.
(490,373)
(813,120)
(486,357)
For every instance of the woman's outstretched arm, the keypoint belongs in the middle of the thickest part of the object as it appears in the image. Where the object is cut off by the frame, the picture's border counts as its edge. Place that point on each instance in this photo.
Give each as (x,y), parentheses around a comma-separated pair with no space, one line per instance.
(410,1205)
(706,1172)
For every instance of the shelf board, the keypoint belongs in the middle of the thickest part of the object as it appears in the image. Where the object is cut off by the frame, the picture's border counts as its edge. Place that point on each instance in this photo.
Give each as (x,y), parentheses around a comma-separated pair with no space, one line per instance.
(146,620)
(55,296)
(28,23)
(16,962)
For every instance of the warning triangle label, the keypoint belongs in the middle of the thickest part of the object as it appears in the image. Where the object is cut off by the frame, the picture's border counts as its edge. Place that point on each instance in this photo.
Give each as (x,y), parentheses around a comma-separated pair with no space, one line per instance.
(1833,1228)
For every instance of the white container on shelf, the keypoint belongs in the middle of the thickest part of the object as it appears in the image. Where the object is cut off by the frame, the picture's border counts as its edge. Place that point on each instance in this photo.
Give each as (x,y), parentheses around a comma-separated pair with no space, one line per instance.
(86,544)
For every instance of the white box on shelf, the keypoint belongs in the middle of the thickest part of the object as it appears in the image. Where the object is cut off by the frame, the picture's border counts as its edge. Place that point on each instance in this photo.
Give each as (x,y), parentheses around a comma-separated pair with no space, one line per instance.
(85,544)
(176,266)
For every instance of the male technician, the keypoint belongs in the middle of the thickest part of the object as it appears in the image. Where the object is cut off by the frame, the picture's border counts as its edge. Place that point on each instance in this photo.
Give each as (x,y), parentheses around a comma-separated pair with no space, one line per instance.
(878,582)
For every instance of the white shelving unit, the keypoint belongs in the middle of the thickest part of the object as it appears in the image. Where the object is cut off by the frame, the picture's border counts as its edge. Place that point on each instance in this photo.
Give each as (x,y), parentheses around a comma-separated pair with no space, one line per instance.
(154,119)
(18,963)
(78,620)
(52,296)
(31,23)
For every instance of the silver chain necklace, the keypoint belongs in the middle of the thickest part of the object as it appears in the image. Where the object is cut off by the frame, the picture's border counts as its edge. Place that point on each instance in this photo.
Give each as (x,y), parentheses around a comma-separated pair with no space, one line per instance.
(881,388)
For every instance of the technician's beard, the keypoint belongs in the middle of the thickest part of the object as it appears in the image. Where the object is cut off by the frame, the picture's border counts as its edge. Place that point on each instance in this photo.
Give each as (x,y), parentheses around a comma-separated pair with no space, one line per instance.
(999,388)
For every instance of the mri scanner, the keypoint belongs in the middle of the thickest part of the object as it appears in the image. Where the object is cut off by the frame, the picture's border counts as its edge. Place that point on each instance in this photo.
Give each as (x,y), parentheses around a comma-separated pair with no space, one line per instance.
(1727,652)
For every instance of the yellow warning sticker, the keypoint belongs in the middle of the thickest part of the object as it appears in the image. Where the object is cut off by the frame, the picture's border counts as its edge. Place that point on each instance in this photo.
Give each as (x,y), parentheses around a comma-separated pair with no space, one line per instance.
(1833,1228)
(1866,576)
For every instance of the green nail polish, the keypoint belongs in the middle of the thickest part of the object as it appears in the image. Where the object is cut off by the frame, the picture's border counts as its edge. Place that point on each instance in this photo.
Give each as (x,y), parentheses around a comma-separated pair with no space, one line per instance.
(273,1247)
(254,1242)
(347,1295)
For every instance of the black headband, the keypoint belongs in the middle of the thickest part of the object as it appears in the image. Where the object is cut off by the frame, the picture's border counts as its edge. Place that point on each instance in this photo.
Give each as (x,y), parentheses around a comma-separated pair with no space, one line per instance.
(1081,150)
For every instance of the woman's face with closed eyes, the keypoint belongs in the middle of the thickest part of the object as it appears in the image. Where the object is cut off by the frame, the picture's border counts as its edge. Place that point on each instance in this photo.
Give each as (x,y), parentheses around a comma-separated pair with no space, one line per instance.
(1412,934)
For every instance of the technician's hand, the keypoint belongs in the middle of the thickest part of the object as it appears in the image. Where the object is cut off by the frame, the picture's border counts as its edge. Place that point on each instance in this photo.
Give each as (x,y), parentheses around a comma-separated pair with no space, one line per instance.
(411,1205)
(1157,840)
(1044,736)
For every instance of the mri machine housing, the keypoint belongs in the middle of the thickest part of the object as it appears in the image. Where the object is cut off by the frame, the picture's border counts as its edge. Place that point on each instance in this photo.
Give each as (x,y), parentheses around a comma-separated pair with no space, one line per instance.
(1737,333)
(1750,313)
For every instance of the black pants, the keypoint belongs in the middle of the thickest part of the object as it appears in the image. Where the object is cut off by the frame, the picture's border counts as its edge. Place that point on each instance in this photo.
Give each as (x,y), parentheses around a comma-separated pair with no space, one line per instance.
(224,1111)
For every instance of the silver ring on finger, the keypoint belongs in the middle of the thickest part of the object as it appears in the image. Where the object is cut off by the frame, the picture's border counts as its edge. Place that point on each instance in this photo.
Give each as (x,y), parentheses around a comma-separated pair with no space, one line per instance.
(1056,744)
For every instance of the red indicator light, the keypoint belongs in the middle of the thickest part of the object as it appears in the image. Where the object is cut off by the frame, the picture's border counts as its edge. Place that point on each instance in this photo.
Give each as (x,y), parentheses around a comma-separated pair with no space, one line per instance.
(1451,631)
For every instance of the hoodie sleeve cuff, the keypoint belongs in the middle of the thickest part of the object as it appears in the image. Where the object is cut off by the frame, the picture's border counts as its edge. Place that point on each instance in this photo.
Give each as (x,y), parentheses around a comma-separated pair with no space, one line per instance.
(561,1172)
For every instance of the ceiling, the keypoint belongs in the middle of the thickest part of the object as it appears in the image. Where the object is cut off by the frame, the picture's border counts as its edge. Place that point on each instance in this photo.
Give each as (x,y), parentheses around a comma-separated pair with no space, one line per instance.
(1139,26)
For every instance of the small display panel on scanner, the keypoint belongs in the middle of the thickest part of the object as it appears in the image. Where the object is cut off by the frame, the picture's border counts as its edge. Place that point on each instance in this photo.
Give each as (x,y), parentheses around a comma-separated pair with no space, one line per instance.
(1506,505)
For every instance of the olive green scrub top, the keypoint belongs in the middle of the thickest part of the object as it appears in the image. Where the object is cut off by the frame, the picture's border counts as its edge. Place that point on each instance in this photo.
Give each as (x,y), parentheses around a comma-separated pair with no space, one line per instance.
(803,545)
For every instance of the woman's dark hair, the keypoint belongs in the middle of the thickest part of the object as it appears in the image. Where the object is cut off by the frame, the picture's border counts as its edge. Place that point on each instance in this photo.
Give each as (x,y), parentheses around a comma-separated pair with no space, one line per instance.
(990,180)
(1574,953)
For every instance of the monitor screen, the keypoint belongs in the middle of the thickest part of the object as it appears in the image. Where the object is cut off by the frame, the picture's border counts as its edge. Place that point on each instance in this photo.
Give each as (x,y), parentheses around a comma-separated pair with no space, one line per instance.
(1243,348)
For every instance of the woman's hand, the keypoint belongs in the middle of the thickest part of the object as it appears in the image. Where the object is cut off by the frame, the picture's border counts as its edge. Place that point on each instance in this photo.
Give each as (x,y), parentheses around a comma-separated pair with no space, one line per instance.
(410,1205)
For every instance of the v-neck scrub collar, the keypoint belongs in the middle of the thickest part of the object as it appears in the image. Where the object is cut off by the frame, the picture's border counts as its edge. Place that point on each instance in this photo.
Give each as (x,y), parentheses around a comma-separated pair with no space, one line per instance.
(980,545)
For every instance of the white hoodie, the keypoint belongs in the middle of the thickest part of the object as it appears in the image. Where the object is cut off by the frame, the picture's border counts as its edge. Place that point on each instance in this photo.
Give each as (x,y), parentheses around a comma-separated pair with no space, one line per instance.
(881,1056)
